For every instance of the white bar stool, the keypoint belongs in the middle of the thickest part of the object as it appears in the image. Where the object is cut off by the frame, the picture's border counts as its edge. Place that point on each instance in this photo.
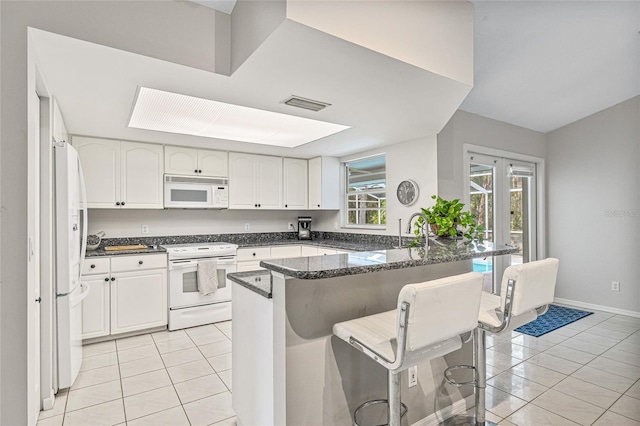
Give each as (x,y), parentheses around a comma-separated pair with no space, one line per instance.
(428,323)
(526,292)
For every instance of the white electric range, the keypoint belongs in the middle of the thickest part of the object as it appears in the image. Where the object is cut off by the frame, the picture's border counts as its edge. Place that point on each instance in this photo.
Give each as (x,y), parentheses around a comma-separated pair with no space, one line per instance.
(187,307)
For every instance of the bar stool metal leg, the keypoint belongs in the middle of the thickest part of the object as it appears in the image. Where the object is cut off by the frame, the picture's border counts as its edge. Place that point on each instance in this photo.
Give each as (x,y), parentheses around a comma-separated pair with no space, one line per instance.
(480,366)
(393,393)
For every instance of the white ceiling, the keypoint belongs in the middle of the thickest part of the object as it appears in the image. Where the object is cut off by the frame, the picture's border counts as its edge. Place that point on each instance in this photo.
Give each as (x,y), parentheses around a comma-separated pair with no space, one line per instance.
(383,100)
(545,64)
(539,65)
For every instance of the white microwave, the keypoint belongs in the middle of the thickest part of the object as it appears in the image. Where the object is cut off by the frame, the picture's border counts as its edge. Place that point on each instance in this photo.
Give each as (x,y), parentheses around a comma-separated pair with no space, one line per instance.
(195,192)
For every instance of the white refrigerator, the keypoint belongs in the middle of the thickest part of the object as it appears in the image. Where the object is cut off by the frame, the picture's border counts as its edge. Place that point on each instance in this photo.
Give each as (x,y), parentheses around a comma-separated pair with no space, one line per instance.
(70,247)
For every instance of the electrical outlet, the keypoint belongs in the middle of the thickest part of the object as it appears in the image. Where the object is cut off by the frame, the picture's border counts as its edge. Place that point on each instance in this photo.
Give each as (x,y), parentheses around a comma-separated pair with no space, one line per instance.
(615,285)
(145,229)
(413,376)
(335,225)
(291,227)
(247,227)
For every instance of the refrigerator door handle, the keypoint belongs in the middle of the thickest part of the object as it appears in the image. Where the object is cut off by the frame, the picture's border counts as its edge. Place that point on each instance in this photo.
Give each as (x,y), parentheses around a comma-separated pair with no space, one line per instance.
(69,292)
(75,300)
(83,190)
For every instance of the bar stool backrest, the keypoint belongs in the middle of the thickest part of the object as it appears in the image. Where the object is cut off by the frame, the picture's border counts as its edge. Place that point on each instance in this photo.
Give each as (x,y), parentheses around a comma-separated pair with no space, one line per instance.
(535,284)
(441,309)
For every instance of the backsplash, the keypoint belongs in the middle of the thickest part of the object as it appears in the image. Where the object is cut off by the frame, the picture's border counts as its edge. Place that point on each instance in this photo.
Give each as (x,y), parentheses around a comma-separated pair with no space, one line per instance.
(262,238)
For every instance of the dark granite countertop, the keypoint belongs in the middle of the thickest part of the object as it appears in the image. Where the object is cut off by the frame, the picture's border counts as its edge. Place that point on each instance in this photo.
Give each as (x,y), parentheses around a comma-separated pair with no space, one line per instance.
(102,252)
(336,240)
(319,267)
(257,281)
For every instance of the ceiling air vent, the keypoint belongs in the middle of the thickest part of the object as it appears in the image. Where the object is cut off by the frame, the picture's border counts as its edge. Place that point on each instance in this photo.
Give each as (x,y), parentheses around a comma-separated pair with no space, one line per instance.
(297,101)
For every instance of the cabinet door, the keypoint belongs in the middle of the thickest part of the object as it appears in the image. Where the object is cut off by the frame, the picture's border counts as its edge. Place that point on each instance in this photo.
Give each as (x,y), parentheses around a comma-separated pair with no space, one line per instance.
(141,175)
(180,161)
(295,183)
(138,300)
(213,163)
(269,182)
(324,251)
(309,251)
(324,183)
(283,252)
(100,160)
(242,178)
(95,307)
(248,266)
(315,183)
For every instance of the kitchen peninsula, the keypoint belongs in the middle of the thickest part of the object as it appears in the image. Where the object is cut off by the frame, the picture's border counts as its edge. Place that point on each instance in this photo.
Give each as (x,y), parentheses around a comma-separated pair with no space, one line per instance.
(288,366)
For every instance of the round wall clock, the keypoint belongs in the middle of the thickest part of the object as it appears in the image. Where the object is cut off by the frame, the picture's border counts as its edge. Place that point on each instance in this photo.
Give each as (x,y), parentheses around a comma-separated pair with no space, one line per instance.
(407,192)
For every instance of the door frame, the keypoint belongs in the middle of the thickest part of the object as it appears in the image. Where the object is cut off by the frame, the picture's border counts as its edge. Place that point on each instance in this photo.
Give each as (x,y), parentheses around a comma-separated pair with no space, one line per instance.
(541,208)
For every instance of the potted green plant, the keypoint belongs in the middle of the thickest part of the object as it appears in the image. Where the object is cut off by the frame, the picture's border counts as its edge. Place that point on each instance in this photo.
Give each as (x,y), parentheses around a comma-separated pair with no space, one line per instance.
(447,219)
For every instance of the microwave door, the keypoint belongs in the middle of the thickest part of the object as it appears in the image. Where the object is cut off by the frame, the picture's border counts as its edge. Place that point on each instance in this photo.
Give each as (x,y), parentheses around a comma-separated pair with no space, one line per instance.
(187,195)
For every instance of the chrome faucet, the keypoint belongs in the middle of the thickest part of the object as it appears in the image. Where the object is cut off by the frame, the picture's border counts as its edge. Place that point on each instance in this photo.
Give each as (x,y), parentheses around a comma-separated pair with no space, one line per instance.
(425,226)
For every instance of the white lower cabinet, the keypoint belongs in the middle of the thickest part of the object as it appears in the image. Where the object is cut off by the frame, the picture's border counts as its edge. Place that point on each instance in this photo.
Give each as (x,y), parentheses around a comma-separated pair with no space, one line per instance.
(95,307)
(127,293)
(249,257)
(138,300)
(307,251)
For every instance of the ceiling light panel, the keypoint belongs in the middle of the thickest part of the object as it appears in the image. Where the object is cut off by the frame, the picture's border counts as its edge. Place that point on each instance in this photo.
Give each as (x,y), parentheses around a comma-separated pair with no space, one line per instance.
(175,113)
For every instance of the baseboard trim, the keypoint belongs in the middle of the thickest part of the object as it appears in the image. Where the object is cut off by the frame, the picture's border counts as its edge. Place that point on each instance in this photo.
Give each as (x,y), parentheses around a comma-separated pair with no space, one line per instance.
(459,407)
(602,308)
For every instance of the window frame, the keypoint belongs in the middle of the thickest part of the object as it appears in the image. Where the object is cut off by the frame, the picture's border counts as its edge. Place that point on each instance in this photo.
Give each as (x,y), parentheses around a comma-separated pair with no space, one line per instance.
(345,195)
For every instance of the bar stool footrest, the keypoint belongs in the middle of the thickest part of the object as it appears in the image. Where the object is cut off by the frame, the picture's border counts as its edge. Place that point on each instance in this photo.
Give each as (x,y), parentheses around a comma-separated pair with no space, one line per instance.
(364,405)
(465,421)
(451,381)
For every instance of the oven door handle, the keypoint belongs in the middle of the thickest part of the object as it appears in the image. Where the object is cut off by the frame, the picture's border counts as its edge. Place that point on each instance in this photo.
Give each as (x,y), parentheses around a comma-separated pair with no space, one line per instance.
(184,264)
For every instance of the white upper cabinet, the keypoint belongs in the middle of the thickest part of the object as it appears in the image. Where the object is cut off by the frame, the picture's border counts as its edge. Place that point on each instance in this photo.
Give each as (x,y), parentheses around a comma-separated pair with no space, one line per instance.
(324,183)
(269,182)
(121,174)
(295,183)
(141,175)
(195,162)
(213,163)
(255,181)
(100,160)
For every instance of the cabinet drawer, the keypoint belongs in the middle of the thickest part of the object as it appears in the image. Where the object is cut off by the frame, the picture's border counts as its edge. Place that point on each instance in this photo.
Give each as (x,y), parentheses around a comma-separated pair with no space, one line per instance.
(309,251)
(138,263)
(283,252)
(249,265)
(325,251)
(94,265)
(254,253)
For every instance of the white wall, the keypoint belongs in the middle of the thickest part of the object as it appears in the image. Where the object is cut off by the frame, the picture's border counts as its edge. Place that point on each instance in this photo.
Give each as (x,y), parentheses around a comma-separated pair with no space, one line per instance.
(116,24)
(415,160)
(434,35)
(127,223)
(473,129)
(594,207)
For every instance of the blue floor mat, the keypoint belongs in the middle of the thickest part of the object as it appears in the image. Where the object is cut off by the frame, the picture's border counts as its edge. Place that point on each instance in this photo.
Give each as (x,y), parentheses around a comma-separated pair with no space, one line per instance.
(556,317)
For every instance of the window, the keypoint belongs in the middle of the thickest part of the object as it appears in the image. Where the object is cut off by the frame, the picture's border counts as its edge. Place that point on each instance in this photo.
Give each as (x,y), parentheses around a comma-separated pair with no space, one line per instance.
(366,198)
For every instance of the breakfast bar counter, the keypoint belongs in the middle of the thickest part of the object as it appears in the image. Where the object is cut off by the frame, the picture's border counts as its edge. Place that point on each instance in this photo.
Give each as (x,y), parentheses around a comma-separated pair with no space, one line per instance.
(288,366)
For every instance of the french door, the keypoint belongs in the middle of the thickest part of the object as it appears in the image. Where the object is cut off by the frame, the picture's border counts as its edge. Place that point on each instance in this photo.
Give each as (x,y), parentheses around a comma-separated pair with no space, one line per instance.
(502,195)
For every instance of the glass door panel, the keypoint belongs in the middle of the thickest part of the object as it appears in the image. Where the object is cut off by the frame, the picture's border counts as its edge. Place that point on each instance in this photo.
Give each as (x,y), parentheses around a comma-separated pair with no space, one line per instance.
(482,180)
(502,196)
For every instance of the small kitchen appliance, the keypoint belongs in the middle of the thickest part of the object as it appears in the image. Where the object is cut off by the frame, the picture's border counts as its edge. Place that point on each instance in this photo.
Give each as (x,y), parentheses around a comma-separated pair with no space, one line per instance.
(304,228)
(187,306)
(195,192)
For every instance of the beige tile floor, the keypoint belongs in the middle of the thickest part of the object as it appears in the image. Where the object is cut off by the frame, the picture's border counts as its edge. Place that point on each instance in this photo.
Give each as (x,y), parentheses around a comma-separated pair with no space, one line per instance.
(586,373)
(166,378)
